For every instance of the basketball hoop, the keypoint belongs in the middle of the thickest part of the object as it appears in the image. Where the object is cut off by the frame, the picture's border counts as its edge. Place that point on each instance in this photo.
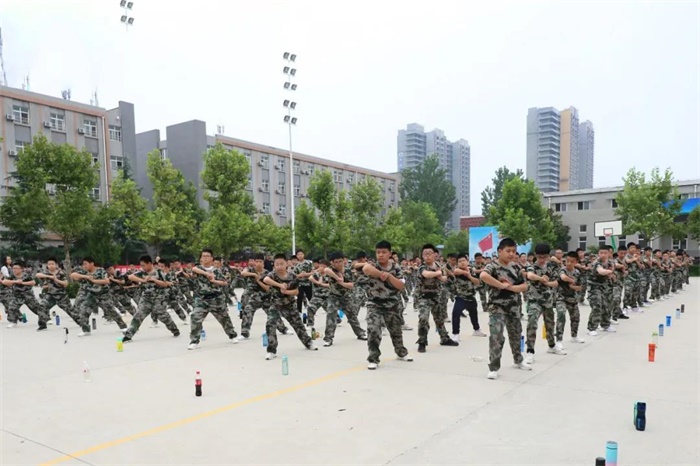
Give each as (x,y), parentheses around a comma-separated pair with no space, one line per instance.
(607,232)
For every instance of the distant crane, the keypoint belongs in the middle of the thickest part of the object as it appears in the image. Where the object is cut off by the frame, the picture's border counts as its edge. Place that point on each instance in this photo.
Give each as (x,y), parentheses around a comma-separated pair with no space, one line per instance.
(3,75)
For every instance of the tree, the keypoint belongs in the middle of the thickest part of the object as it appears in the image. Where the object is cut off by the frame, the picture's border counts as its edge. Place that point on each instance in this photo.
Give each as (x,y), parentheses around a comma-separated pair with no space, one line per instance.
(648,207)
(559,230)
(365,206)
(323,196)
(520,215)
(492,194)
(269,237)
(694,224)
(457,242)
(101,237)
(426,226)
(225,175)
(307,227)
(429,183)
(227,229)
(396,231)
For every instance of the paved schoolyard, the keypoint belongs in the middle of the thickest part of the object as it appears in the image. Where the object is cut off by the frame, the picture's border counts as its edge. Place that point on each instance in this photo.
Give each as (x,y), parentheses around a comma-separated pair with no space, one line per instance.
(140,407)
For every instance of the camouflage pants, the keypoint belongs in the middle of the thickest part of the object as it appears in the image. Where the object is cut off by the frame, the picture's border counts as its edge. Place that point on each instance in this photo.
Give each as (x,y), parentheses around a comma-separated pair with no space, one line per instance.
(89,304)
(5,299)
(122,301)
(645,286)
(252,304)
(535,310)
(600,309)
(678,279)
(483,297)
(616,301)
(631,293)
(391,316)
(218,308)
(292,316)
(171,302)
(572,308)
(642,289)
(500,320)
(335,303)
(29,300)
(581,295)
(317,302)
(62,302)
(427,306)
(148,305)
(666,289)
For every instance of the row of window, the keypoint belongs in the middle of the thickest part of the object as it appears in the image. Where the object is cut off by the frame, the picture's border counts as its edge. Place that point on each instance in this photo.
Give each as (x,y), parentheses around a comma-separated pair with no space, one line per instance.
(57,122)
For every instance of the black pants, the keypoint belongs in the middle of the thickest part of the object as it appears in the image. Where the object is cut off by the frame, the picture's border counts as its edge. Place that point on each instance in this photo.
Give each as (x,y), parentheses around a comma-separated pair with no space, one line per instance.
(303,291)
(460,305)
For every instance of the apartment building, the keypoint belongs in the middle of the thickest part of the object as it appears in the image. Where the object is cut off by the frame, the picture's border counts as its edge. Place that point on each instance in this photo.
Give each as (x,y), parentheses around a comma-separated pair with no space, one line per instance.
(268,183)
(581,209)
(109,135)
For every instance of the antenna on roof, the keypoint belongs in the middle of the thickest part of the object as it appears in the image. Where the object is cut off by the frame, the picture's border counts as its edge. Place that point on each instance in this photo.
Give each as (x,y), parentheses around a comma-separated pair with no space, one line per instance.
(65,94)
(3,75)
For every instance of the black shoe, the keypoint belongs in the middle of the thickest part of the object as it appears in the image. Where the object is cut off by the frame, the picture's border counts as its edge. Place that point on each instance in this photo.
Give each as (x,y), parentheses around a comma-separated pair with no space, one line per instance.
(421,348)
(362,337)
(449,343)
(41,327)
(245,335)
(622,316)
(126,338)
(339,321)
(464,315)
(176,333)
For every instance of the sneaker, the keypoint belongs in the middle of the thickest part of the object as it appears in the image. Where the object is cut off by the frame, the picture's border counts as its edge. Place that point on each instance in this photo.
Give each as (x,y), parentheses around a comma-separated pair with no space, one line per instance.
(406,328)
(421,348)
(244,337)
(41,328)
(234,340)
(154,325)
(614,322)
(123,330)
(610,330)
(288,331)
(175,334)
(449,343)
(560,344)
(84,334)
(384,332)
(623,317)
(327,343)
(362,337)
(455,337)
(270,356)
(407,358)
(492,375)
(625,312)
(530,358)
(126,338)
(312,347)
(651,300)
(479,333)
(599,329)
(11,325)
(523,366)
(372,366)
(556,350)
(593,333)
(577,340)
(193,346)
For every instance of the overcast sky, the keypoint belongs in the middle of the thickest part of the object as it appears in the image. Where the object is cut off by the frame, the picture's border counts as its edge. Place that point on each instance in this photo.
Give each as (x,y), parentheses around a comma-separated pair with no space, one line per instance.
(367,68)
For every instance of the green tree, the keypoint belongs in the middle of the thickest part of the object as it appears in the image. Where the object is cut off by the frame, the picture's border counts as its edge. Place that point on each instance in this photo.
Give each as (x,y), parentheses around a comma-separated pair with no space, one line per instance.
(365,206)
(694,224)
(520,215)
(101,238)
(492,194)
(395,230)
(323,196)
(340,240)
(271,238)
(307,227)
(429,183)
(226,230)
(426,225)
(559,230)
(457,241)
(649,207)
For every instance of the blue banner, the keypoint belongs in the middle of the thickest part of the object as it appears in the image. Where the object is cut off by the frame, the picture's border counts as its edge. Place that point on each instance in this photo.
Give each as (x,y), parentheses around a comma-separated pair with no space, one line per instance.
(485,240)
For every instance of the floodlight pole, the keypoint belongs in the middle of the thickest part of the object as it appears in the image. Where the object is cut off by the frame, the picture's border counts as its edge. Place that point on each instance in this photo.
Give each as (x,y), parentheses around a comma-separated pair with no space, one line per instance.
(291,162)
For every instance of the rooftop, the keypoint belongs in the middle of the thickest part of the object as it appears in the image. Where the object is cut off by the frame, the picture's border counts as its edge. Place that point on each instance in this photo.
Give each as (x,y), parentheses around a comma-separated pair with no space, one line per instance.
(611,189)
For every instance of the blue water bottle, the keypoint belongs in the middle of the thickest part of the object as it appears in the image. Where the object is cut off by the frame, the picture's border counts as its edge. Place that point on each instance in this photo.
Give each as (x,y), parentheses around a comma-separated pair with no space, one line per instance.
(640,416)
(239,306)
(264,338)
(341,314)
(304,318)
(58,319)
(668,321)
(522,343)
(678,313)
(285,365)
(203,335)
(611,453)
(661,330)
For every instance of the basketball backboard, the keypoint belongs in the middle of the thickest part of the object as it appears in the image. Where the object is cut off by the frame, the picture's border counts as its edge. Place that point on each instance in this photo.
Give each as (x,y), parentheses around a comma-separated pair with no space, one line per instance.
(608,228)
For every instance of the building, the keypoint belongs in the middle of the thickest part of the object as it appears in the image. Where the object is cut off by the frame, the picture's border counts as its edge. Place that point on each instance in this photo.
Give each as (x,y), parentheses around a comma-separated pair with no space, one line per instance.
(465,223)
(185,144)
(109,135)
(581,209)
(414,145)
(560,150)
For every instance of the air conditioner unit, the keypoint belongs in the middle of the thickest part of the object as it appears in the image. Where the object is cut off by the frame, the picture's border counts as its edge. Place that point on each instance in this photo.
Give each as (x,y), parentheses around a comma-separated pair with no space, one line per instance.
(279,212)
(306,172)
(9,117)
(261,164)
(47,124)
(261,211)
(261,190)
(278,167)
(81,130)
(278,191)
(12,153)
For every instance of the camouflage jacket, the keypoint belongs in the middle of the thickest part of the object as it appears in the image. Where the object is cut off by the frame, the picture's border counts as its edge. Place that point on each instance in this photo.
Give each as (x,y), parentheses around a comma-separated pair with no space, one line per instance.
(251,284)
(463,287)
(99,274)
(82,284)
(281,301)
(304,267)
(204,289)
(382,293)
(53,288)
(150,290)
(335,288)
(20,291)
(564,292)
(538,291)
(320,291)
(619,273)
(633,271)
(428,286)
(597,281)
(504,299)
(171,278)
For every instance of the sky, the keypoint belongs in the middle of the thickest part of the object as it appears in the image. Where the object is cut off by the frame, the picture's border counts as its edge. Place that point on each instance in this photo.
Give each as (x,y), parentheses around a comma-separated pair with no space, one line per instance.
(368,68)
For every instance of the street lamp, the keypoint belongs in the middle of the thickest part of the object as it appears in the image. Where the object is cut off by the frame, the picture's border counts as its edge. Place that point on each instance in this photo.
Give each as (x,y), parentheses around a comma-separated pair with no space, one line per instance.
(290,121)
(126,19)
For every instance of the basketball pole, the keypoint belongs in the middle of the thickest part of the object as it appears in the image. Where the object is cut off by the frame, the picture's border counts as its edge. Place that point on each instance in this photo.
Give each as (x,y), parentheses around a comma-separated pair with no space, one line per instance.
(614,243)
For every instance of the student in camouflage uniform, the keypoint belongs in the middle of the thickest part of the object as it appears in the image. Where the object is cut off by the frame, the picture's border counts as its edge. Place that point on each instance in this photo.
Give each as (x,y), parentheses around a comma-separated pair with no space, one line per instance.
(504,283)
(303,270)
(55,283)
(256,296)
(383,289)
(22,285)
(645,285)
(482,288)
(431,279)
(5,295)
(542,279)
(340,297)
(633,264)
(319,299)
(170,300)
(181,286)
(599,284)
(655,293)
(617,285)
(283,290)
(666,268)
(361,280)
(120,299)
(570,286)
(464,289)
(151,280)
(93,281)
(583,266)
(209,298)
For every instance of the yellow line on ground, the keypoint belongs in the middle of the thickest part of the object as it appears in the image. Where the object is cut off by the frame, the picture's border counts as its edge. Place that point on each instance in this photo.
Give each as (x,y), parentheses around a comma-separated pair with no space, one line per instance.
(182,422)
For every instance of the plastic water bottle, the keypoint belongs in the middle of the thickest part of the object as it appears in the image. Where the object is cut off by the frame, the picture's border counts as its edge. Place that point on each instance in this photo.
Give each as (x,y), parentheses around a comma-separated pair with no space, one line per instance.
(24,317)
(522,343)
(87,377)
(58,319)
(668,321)
(655,339)
(94,323)
(313,333)
(611,453)
(203,335)
(285,365)
(678,313)
(239,306)
(120,345)
(66,339)
(197,384)
(682,308)
(661,330)
(264,338)
(640,416)
(600,461)
(341,314)
(304,318)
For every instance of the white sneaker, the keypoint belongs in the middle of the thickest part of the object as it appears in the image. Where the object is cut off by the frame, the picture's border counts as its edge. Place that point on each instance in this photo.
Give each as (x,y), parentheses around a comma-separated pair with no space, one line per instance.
(288,331)
(610,330)
(84,334)
(11,325)
(455,337)
(556,350)
(651,300)
(235,340)
(193,346)
(529,358)
(599,329)
(492,375)
(384,332)
(372,366)
(243,338)
(523,366)
(593,333)
(312,347)
(406,328)
(577,340)
(154,325)
(327,343)
(479,333)
(270,356)
(407,358)
(614,322)
(626,312)
(123,330)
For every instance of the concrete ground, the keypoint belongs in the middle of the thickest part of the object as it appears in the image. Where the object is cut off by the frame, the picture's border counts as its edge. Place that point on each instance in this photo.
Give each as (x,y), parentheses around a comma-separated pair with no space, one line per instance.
(140,408)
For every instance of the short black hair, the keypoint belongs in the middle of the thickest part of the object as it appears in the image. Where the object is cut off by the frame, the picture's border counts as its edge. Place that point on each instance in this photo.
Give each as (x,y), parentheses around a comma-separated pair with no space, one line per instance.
(622,248)
(647,249)
(506,243)
(280,256)
(146,259)
(50,259)
(89,260)
(573,254)
(478,254)
(383,244)
(542,248)
(428,246)
(175,259)
(207,250)
(336,255)
(259,256)
(165,262)
(361,255)
(462,255)
(630,244)
(323,261)
(300,251)
(452,255)
(657,250)
(18,263)
(577,250)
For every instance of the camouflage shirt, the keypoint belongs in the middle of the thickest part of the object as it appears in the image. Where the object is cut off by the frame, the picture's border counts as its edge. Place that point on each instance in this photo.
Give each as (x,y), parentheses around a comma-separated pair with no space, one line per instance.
(320,291)
(204,288)
(538,291)
(597,281)
(83,284)
(564,292)
(504,299)
(281,301)
(463,287)
(54,289)
(304,267)
(98,274)
(633,271)
(335,287)
(150,289)
(383,293)
(428,286)
(23,290)
(251,283)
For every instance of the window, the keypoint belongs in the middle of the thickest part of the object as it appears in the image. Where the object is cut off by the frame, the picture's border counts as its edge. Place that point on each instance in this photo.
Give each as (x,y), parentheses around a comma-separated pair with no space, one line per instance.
(20,145)
(280,187)
(582,242)
(621,241)
(58,121)
(95,193)
(338,176)
(95,160)
(582,228)
(249,186)
(116,162)
(584,205)
(115,133)
(90,127)
(601,241)
(392,186)
(21,113)
(265,161)
(297,190)
(265,184)
(282,211)
(280,165)
(266,208)
(163,154)
(680,244)
(613,203)
(297,165)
